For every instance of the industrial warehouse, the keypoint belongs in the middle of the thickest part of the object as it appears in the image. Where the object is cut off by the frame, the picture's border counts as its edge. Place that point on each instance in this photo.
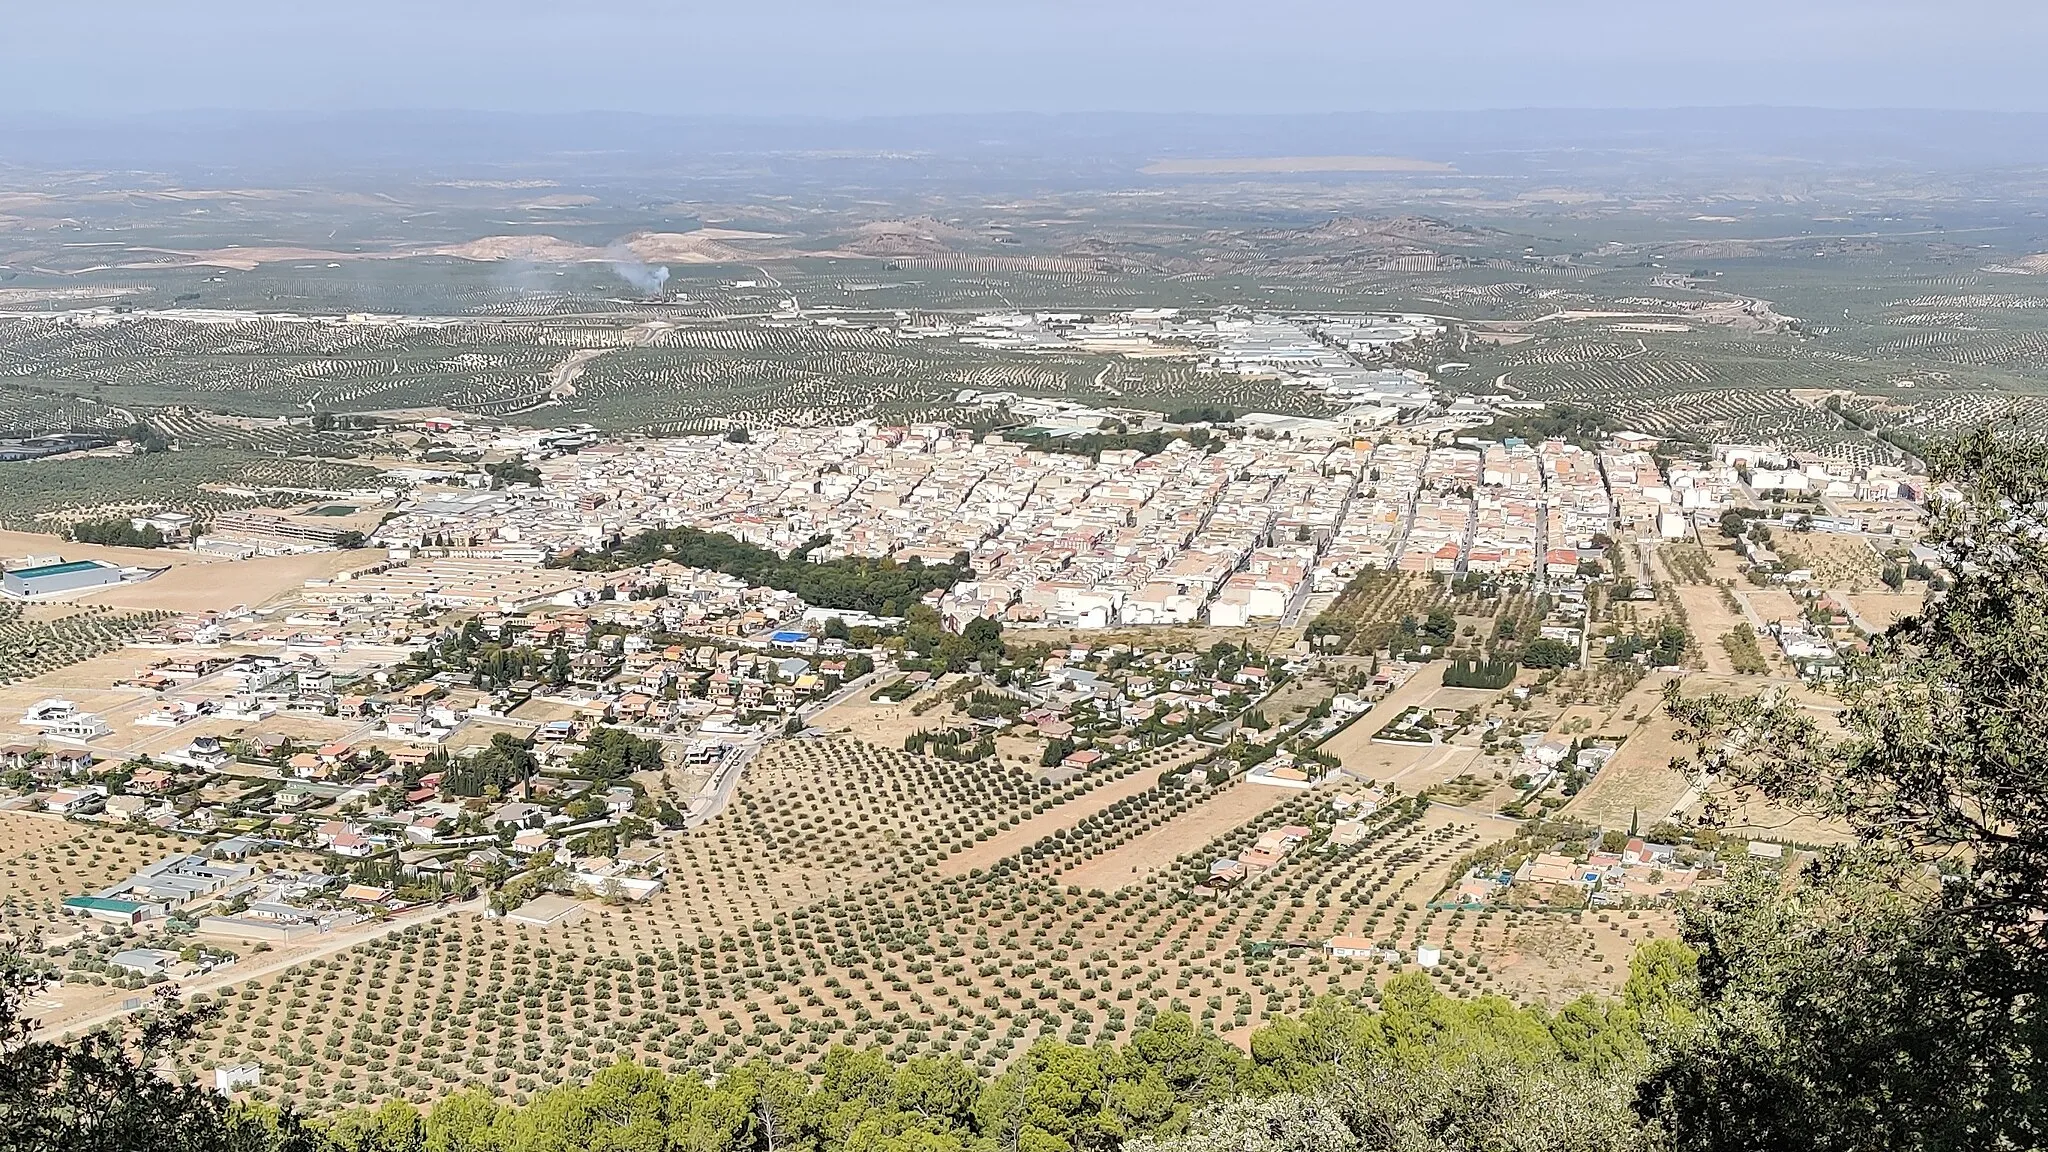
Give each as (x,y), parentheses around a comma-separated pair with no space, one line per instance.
(62,576)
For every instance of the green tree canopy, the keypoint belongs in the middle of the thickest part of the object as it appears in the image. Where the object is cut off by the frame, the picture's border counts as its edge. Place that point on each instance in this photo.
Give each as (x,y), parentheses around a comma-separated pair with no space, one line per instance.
(1897,997)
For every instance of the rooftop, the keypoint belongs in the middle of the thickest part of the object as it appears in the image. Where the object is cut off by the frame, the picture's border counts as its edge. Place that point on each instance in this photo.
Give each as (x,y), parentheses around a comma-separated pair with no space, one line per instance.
(60,569)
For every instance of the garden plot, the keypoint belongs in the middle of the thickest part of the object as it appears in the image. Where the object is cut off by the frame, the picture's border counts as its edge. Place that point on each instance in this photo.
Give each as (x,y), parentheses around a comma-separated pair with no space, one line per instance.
(1368,611)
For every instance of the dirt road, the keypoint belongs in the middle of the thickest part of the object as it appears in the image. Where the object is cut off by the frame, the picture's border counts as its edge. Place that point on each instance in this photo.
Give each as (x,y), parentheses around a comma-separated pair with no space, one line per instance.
(562,382)
(51,1025)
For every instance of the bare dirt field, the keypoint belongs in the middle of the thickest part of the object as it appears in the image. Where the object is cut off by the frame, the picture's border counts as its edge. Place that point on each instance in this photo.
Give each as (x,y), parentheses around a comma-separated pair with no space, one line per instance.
(1710,618)
(883,722)
(1459,699)
(16,546)
(1883,609)
(1354,746)
(224,584)
(1638,783)
(1771,604)
(90,686)
(1226,809)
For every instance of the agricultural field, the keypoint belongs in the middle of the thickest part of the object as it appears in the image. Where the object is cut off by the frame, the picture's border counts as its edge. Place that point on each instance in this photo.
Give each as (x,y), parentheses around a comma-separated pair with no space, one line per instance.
(38,639)
(43,495)
(1639,784)
(1883,609)
(1711,358)
(276,367)
(1366,615)
(857,892)
(237,384)
(981,964)
(1843,562)
(846,897)
(44,859)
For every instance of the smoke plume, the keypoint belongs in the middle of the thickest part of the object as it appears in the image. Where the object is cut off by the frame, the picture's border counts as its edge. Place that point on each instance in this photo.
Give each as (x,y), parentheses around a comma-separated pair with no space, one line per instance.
(641,275)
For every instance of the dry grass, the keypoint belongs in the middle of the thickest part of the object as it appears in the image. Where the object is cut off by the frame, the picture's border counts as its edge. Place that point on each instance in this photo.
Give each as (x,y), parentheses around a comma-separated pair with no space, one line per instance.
(1883,609)
(224,584)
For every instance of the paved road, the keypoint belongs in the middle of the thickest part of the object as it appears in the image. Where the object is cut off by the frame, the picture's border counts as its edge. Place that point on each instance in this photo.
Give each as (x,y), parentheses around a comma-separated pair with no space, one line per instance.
(731,782)
(1292,615)
(846,692)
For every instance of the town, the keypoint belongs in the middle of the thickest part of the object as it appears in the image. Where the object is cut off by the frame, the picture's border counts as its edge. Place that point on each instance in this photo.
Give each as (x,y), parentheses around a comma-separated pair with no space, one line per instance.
(815,629)
(523,684)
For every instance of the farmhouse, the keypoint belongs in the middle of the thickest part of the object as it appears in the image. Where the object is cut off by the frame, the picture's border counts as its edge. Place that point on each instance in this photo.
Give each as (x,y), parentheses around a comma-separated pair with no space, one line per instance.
(1350,948)
(76,801)
(146,962)
(126,913)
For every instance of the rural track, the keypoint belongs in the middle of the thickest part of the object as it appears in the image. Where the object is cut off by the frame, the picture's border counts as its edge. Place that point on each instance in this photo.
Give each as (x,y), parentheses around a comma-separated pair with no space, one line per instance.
(562,381)
(248,970)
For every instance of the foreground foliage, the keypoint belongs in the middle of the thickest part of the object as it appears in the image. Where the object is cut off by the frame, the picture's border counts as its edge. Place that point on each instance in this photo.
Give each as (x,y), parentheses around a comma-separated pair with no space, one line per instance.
(1480,1066)
(1898,997)
(101,1093)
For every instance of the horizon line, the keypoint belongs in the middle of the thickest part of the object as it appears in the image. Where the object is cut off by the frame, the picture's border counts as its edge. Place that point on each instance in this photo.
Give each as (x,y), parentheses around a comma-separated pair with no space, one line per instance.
(819,117)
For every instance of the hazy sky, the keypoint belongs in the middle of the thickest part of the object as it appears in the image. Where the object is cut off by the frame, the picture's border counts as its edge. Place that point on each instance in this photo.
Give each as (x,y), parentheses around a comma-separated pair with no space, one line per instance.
(860,57)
